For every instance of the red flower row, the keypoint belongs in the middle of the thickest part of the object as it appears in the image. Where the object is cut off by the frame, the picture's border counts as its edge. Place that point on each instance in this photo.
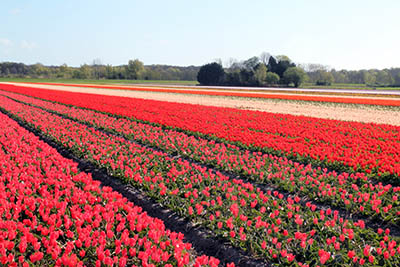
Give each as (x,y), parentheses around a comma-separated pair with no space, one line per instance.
(343,146)
(52,214)
(352,192)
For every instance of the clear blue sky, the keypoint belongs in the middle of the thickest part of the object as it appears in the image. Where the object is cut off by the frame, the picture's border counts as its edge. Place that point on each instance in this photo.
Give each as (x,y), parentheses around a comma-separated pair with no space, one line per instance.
(352,34)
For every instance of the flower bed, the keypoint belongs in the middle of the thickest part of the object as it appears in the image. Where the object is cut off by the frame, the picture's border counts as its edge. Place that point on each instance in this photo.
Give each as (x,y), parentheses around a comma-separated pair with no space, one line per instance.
(352,192)
(339,145)
(52,214)
(267,224)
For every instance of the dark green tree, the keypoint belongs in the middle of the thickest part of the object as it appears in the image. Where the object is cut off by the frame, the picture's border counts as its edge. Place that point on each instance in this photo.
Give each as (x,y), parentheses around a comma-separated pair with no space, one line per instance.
(282,66)
(294,75)
(272,64)
(211,74)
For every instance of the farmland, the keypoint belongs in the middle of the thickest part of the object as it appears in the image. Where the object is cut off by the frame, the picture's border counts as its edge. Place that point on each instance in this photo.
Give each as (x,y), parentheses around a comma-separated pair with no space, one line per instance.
(278,189)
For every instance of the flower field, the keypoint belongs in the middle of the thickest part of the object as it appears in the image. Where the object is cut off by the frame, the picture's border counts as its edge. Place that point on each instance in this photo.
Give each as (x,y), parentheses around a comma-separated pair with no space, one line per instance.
(338,145)
(290,191)
(332,99)
(52,214)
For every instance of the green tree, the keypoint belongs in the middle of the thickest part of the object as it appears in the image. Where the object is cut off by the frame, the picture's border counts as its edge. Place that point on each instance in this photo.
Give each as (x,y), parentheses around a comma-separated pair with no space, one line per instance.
(294,75)
(134,69)
(272,64)
(85,72)
(282,66)
(369,77)
(279,64)
(211,74)
(324,78)
(251,63)
(384,78)
(397,79)
(38,70)
(272,78)
(260,73)
(64,71)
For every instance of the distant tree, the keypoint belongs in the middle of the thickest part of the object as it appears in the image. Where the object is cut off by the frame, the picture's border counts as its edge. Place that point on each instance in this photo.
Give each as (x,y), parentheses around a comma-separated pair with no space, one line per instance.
(294,75)
(272,64)
(251,63)
(247,78)
(64,71)
(38,70)
(272,78)
(324,77)
(230,64)
(134,69)
(233,78)
(109,72)
(340,76)
(383,78)
(260,73)
(85,72)
(211,74)
(6,73)
(397,79)
(283,63)
(369,77)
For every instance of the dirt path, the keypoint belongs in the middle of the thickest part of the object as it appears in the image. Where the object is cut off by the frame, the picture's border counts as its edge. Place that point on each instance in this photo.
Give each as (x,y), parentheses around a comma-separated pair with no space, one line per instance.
(360,113)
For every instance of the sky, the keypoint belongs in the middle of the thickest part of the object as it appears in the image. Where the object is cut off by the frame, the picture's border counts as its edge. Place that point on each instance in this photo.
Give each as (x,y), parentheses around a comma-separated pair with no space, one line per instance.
(352,34)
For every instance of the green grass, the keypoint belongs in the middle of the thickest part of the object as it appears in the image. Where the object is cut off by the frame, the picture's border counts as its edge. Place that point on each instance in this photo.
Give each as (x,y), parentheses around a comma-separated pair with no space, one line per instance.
(36,80)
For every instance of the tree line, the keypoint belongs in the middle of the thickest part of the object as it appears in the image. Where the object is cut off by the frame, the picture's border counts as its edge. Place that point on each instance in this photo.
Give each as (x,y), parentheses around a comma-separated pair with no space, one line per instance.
(264,70)
(322,75)
(134,70)
(268,70)
(255,71)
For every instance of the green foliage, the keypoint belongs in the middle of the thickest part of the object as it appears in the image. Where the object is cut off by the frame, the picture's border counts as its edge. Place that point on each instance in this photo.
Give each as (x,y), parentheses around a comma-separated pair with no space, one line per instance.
(272,78)
(134,69)
(272,64)
(294,75)
(251,63)
(211,74)
(279,64)
(324,78)
(384,78)
(260,74)
(238,73)
(397,79)
(99,71)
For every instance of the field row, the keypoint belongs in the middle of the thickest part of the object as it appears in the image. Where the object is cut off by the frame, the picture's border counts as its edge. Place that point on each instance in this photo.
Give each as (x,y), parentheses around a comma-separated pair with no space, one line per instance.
(260,94)
(338,145)
(353,193)
(267,224)
(52,214)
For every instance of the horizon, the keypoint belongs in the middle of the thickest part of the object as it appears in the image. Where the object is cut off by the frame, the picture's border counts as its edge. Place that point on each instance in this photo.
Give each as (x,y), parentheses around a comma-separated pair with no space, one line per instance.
(352,36)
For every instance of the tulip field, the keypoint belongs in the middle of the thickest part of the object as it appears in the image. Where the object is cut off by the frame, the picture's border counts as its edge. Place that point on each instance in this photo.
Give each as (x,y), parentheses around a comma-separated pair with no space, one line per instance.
(284,190)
